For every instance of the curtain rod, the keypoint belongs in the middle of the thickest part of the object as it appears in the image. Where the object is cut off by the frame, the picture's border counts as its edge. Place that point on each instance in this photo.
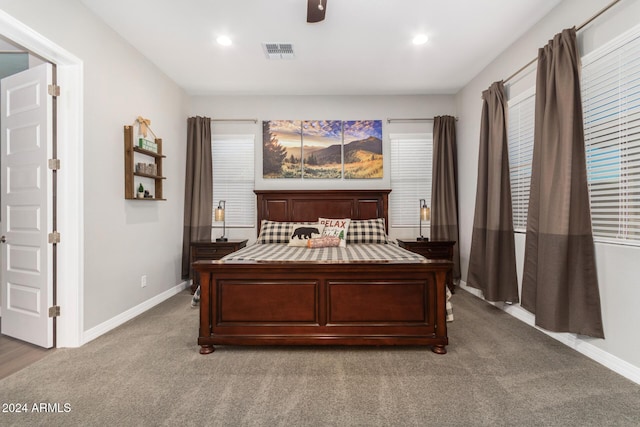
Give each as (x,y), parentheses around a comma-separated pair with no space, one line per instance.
(235,120)
(581,26)
(418,120)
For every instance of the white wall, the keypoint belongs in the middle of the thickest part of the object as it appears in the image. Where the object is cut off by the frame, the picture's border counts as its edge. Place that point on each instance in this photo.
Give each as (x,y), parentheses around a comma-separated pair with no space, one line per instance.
(618,268)
(321,108)
(122,239)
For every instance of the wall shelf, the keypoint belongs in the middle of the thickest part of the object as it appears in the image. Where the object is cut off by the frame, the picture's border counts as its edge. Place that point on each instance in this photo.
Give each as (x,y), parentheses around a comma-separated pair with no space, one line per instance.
(130,183)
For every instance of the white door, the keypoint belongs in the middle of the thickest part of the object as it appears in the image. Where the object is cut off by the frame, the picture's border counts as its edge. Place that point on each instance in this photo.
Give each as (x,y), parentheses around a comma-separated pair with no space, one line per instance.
(26,206)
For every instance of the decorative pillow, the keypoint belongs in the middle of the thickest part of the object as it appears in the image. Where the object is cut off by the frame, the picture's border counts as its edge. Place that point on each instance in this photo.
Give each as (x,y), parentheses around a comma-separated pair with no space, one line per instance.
(367,231)
(274,232)
(337,228)
(301,233)
(323,242)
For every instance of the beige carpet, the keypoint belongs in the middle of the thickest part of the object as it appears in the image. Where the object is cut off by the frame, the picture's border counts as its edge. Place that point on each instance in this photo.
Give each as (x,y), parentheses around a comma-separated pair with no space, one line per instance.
(498,372)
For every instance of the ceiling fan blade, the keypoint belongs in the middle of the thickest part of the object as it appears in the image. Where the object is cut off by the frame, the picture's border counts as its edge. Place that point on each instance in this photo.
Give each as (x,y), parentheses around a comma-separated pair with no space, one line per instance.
(316,10)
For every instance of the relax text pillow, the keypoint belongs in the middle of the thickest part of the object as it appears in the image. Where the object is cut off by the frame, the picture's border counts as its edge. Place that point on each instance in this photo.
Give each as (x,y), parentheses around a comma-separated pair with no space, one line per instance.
(337,227)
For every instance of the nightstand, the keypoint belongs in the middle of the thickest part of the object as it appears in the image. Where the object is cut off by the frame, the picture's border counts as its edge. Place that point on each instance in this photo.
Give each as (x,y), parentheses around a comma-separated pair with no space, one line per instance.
(206,249)
(432,249)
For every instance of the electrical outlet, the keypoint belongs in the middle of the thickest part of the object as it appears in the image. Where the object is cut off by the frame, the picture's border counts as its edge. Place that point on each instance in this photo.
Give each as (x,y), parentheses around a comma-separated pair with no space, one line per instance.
(143,281)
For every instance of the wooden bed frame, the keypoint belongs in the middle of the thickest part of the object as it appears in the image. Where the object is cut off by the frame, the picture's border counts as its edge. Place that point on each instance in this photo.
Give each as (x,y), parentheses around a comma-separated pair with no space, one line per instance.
(323,303)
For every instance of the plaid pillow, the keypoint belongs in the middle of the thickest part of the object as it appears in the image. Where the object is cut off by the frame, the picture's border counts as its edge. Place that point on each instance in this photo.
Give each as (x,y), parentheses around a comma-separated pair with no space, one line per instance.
(274,232)
(367,231)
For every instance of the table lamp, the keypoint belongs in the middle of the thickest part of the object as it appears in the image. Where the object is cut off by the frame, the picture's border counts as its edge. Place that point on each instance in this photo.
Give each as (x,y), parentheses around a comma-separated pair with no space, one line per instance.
(425,215)
(219,216)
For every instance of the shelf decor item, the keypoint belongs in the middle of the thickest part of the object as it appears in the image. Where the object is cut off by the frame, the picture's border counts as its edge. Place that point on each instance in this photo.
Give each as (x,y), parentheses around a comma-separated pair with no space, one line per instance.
(140,191)
(145,144)
(219,216)
(143,125)
(425,215)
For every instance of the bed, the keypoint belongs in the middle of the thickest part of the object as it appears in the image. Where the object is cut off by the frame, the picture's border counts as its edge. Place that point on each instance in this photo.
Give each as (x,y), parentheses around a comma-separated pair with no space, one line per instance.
(322,302)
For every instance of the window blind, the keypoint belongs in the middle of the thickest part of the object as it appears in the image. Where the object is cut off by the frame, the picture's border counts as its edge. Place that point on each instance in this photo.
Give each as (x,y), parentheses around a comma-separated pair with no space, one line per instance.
(611,106)
(233,178)
(520,146)
(411,166)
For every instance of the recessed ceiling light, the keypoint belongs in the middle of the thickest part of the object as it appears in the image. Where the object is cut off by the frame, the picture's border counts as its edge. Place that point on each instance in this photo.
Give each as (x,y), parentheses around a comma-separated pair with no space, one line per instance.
(224,40)
(420,39)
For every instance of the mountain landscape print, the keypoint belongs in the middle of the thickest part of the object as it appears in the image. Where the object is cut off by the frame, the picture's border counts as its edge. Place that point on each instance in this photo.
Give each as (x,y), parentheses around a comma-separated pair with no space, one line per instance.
(322,149)
(363,149)
(282,149)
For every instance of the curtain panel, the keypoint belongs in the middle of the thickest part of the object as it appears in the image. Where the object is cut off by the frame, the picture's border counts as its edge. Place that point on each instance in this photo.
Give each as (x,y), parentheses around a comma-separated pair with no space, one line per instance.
(198,197)
(444,187)
(560,284)
(492,260)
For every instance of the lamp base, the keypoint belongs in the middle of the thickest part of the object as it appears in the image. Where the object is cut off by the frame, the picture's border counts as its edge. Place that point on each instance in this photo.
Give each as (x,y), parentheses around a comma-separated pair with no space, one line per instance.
(221,239)
(422,239)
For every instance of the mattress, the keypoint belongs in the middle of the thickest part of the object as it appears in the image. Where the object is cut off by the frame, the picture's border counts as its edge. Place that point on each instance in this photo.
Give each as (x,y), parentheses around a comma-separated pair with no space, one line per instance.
(351,253)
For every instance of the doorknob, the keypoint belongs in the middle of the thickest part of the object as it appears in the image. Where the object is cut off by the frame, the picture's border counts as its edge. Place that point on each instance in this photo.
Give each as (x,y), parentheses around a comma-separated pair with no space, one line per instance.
(3,239)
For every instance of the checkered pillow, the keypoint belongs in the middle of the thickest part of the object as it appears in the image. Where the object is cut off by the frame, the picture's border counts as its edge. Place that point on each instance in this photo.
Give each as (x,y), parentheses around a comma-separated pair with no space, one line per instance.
(274,232)
(367,231)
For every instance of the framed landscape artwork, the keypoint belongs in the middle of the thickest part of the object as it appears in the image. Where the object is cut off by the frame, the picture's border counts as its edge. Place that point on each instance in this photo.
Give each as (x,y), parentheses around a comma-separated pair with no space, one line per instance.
(322,149)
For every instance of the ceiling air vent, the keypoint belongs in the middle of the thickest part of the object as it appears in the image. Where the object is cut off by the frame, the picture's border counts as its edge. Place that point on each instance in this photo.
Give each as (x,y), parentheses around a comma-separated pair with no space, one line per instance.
(278,50)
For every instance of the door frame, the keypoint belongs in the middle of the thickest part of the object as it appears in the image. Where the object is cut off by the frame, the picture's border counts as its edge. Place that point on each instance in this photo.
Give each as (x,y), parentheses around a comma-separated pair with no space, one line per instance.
(70,209)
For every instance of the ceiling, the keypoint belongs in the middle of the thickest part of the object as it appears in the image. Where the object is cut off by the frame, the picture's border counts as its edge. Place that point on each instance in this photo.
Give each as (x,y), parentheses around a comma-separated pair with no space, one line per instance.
(363,47)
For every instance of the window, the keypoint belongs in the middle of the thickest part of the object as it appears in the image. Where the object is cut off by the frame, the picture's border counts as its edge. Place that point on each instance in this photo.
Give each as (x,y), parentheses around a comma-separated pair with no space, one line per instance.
(233,177)
(411,165)
(520,140)
(611,105)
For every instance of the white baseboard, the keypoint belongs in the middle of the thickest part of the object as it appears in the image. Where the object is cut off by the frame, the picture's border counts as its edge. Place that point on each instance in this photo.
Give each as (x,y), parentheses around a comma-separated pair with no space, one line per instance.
(606,359)
(114,322)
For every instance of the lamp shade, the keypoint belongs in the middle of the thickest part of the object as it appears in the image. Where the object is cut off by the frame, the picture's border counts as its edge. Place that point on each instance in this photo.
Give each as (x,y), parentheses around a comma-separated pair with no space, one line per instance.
(425,213)
(219,214)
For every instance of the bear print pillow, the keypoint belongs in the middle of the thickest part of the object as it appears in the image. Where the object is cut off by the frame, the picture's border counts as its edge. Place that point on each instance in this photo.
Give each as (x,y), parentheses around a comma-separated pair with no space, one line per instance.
(300,233)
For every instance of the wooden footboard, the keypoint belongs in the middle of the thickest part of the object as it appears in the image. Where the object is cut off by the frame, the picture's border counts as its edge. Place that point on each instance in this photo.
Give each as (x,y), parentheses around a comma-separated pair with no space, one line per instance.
(286,303)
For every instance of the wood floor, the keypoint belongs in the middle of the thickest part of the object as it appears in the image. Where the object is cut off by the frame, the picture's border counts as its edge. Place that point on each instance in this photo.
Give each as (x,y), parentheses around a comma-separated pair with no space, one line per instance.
(16,355)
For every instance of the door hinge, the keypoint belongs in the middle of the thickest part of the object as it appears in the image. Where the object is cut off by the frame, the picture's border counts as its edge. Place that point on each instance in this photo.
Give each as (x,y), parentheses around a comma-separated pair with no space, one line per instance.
(54,311)
(54,90)
(54,164)
(54,237)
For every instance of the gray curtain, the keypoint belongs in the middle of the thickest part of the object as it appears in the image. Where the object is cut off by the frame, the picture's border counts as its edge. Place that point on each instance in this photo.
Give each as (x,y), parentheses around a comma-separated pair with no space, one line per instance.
(198,197)
(492,261)
(444,187)
(560,284)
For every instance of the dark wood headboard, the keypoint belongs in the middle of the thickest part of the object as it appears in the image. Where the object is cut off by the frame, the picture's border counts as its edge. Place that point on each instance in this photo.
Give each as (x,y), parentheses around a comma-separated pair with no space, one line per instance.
(308,205)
